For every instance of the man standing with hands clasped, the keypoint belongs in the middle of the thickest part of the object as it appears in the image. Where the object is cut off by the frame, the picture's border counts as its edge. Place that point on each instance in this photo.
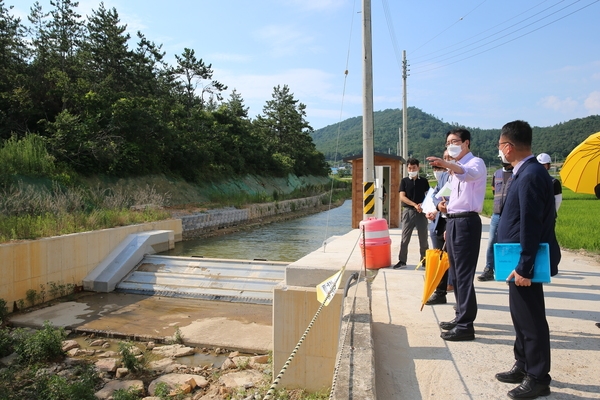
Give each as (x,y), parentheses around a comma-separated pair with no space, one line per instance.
(463,229)
(528,218)
(413,189)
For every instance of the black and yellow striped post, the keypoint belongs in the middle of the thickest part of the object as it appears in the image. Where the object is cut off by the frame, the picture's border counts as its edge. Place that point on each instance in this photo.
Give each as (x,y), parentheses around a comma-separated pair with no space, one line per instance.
(368,199)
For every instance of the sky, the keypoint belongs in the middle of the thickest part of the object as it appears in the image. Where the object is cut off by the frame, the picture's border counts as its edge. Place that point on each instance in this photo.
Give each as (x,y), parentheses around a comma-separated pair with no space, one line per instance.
(477,63)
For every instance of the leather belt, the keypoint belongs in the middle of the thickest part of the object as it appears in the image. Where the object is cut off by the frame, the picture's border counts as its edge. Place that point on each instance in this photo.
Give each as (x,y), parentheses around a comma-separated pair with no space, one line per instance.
(462,214)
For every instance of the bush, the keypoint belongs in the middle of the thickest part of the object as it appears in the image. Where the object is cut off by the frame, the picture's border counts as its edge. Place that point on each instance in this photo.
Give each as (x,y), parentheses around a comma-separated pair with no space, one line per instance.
(55,387)
(128,357)
(130,394)
(27,156)
(43,345)
(3,312)
(6,342)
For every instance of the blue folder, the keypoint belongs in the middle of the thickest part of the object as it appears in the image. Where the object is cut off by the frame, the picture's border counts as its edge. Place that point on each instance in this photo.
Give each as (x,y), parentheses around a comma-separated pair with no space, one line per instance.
(506,258)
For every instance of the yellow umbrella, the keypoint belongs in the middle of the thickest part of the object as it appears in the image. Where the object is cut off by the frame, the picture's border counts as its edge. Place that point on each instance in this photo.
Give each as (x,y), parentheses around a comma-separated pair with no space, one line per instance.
(581,170)
(436,265)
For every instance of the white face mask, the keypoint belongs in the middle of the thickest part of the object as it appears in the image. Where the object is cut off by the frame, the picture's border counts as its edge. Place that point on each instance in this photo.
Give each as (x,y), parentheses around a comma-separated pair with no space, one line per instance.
(454,150)
(438,175)
(413,174)
(502,157)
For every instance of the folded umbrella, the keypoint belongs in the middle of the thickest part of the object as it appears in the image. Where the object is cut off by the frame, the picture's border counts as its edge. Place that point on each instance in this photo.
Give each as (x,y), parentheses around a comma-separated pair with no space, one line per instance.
(436,261)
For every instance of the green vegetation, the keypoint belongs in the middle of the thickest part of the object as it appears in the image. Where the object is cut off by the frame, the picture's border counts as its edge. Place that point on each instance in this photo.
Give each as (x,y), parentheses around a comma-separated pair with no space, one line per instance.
(3,312)
(31,377)
(42,345)
(427,136)
(30,211)
(130,361)
(75,87)
(576,225)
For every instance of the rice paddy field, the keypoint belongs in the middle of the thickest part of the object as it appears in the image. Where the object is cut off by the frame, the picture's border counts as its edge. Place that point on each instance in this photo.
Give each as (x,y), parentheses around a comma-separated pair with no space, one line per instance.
(578,222)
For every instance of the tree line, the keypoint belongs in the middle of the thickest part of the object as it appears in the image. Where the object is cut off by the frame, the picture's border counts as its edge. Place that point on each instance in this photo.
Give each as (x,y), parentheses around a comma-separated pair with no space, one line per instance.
(102,107)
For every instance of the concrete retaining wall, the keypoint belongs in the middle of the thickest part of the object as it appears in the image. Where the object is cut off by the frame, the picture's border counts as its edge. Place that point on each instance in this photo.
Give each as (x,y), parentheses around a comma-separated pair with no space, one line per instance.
(221,218)
(64,259)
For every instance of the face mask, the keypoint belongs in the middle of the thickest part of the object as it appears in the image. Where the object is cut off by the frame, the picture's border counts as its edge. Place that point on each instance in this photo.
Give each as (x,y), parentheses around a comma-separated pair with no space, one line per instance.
(454,150)
(413,174)
(438,175)
(502,157)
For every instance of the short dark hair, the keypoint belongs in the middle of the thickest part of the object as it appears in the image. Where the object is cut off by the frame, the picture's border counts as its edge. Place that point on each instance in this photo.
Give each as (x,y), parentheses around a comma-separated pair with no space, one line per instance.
(462,133)
(519,133)
(412,161)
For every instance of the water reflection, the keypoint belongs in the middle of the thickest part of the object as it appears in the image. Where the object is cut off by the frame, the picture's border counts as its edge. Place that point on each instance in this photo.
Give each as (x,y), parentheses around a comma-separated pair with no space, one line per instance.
(281,241)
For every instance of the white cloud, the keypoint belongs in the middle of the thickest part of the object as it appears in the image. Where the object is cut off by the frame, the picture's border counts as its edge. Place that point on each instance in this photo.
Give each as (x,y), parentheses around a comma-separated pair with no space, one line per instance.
(561,105)
(284,40)
(592,103)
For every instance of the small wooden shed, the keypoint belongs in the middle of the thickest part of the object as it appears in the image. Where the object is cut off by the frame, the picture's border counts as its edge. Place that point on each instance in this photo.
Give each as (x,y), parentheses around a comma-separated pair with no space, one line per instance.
(392,175)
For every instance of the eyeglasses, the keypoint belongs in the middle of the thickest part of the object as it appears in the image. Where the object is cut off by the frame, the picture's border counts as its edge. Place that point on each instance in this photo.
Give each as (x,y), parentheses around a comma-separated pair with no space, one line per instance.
(503,143)
(453,141)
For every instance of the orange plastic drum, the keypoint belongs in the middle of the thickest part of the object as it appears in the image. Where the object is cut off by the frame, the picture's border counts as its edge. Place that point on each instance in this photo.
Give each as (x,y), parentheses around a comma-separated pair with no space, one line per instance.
(376,243)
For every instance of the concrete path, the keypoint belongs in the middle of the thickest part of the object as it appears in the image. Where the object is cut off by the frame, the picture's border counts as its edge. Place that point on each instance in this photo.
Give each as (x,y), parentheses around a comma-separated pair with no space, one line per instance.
(413,362)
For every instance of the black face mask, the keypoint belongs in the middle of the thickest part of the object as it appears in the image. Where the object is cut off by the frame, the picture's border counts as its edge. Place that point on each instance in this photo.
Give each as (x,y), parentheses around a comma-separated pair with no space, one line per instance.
(506,165)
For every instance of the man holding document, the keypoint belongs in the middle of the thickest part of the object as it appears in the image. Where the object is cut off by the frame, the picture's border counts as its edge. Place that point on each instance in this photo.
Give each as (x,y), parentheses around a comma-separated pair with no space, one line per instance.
(528,218)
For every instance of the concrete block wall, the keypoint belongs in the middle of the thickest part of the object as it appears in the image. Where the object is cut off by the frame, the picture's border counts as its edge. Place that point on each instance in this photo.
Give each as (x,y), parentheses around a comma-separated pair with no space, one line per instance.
(64,259)
(214,219)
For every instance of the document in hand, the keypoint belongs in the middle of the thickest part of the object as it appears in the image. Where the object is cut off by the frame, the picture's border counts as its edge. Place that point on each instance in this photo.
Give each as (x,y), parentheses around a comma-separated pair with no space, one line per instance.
(445,191)
(506,258)
(428,206)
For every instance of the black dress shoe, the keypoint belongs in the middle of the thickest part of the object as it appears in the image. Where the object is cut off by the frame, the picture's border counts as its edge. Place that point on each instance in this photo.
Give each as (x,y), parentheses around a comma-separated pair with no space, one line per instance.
(487,275)
(436,299)
(515,375)
(400,265)
(448,325)
(529,389)
(598,324)
(455,335)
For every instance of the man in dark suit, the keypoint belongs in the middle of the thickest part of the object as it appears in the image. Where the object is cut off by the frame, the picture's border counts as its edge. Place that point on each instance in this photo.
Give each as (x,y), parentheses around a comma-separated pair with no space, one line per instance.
(528,218)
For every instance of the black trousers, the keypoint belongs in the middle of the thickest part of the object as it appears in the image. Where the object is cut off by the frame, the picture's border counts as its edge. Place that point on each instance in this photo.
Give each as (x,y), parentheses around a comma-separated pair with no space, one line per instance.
(532,342)
(463,240)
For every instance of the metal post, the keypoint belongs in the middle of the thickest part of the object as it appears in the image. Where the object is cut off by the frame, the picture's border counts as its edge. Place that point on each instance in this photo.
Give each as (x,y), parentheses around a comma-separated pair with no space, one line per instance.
(404,113)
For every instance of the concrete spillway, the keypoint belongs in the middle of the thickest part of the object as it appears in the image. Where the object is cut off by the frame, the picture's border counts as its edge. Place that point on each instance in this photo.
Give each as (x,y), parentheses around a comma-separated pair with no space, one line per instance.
(248,281)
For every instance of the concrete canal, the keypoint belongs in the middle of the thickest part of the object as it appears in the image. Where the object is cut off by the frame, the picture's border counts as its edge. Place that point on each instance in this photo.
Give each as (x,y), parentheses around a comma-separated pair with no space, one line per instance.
(281,241)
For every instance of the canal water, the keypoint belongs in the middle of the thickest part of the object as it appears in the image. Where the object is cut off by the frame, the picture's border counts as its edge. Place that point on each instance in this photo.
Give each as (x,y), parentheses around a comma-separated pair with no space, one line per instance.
(280,241)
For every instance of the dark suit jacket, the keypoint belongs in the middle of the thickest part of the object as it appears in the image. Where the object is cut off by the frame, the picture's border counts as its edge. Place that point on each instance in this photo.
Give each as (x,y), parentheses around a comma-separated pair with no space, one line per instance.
(529,215)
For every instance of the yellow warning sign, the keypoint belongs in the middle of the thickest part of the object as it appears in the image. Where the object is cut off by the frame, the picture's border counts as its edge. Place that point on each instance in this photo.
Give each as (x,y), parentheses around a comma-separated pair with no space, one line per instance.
(325,291)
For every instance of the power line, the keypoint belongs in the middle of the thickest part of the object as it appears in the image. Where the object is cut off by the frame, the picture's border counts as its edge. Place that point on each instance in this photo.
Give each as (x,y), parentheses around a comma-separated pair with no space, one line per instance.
(459,20)
(489,29)
(388,19)
(508,41)
(501,37)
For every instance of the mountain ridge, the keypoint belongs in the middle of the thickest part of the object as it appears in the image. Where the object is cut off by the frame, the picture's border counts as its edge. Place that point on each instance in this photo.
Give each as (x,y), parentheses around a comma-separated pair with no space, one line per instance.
(426,136)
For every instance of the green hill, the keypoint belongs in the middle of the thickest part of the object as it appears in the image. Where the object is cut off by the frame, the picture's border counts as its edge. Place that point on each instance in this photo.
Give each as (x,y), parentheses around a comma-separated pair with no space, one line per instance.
(426,136)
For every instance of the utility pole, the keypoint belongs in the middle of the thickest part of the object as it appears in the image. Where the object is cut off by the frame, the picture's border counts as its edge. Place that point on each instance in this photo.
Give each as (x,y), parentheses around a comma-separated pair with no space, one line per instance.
(404,113)
(368,154)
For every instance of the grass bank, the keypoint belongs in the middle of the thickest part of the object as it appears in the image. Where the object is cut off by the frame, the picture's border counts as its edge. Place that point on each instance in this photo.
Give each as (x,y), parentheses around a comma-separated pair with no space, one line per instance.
(32,208)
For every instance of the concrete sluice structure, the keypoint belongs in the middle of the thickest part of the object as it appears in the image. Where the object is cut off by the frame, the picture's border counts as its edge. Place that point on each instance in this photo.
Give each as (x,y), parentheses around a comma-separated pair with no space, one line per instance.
(246,281)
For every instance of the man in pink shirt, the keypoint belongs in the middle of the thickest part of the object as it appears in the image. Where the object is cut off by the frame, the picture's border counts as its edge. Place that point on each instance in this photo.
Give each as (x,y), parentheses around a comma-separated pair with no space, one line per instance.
(463,229)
